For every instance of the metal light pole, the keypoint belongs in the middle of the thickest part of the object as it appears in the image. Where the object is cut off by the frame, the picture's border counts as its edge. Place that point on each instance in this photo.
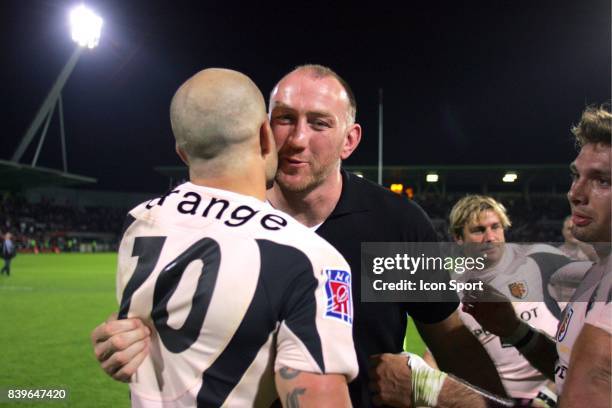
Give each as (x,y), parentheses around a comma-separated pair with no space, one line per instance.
(380,136)
(86,29)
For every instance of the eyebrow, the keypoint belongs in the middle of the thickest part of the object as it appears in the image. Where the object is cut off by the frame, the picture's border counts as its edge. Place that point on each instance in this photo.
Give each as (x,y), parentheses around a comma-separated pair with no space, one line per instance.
(317,113)
(279,104)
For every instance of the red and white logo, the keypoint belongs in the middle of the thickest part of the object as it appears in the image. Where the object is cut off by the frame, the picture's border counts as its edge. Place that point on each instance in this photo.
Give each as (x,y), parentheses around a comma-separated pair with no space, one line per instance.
(338,292)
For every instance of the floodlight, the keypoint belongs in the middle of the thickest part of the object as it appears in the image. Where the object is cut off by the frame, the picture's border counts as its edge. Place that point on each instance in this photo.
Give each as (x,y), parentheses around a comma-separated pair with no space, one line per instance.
(397,188)
(510,177)
(358,174)
(431,178)
(86,26)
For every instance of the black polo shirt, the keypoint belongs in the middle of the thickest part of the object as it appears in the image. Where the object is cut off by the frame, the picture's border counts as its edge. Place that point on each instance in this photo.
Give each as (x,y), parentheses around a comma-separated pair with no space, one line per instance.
(367,212)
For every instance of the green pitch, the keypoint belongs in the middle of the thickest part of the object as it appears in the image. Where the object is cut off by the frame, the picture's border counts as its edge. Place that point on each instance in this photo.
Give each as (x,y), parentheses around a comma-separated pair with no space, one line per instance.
(48,307)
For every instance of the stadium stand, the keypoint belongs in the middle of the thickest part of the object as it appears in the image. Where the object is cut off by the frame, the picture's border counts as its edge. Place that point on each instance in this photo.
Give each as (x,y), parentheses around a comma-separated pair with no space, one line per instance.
(63,219)
(59,219)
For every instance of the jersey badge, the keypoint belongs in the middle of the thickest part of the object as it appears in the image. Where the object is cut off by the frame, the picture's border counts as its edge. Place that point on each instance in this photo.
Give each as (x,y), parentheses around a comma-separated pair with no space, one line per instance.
(518,289)
(338,293)
(562,331)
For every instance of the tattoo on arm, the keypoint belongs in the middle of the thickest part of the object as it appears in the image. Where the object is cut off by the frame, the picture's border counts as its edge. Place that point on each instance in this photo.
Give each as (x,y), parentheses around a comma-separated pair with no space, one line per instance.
(288,373)
(292,397)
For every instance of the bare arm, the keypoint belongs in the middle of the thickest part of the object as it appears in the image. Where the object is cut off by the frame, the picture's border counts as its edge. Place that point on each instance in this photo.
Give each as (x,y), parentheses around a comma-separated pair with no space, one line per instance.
(120,346)
(302,389)
(588,379)
(458,394)
(398,384)
(429,359)
(458,352)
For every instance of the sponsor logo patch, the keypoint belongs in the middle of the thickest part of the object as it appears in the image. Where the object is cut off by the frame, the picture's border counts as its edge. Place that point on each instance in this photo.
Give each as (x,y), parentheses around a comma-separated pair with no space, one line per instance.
(518,289)
(563,326)
(338,293)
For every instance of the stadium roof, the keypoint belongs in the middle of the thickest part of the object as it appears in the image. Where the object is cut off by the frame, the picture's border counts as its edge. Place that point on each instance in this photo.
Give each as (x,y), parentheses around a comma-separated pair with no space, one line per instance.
(533,178)
(16,176)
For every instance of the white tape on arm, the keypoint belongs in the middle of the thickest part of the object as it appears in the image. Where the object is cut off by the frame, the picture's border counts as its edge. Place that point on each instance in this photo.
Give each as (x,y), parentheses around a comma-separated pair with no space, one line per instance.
(426,381)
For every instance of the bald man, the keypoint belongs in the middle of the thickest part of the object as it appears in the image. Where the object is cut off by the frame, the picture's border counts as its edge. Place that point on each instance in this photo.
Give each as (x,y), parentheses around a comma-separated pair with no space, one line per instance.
(237,296)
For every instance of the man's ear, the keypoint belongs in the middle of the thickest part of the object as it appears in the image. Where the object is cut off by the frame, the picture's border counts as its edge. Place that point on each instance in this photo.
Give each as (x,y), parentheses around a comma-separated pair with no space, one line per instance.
(458,239)
(267,144)
(181,153)
(351,141)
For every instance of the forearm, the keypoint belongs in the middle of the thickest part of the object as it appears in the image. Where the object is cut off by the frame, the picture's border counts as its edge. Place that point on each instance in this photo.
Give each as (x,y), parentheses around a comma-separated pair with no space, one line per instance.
(457,394)
(537,348)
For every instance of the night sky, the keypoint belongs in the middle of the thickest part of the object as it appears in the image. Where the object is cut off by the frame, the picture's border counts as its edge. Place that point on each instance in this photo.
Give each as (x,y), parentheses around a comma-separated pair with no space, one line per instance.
(478,82)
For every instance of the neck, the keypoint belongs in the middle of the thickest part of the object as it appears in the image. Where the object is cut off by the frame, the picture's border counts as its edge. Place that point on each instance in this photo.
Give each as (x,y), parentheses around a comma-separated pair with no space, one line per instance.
(310,207)
(242,181)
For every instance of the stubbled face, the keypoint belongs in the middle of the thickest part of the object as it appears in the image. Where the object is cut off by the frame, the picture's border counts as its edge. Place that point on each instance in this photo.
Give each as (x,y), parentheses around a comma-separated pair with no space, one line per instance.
(484,237)
(309,118)
(589,194)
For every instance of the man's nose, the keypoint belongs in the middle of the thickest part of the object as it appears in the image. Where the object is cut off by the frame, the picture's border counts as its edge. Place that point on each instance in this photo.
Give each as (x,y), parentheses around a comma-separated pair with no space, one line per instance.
(299,135)
(577,193)
(489,235)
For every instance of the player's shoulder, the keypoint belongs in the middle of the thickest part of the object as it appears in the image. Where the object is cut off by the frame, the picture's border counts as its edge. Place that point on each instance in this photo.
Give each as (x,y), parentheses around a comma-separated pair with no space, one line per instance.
(539,248)
(305,240)
(383,200)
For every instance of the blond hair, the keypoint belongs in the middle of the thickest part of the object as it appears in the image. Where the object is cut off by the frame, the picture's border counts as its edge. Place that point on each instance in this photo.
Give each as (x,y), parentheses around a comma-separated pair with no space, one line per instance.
(470,208)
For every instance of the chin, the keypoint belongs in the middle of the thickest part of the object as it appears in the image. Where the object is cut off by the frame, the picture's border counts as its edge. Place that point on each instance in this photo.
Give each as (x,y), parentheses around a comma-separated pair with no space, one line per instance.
(293,183)
(585,234)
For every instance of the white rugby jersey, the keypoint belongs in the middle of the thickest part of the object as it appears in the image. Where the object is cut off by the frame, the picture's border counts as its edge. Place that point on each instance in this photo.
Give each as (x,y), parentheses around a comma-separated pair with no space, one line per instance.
(521,275)
(519,377)
(524,271)
(591,304)
(232,290)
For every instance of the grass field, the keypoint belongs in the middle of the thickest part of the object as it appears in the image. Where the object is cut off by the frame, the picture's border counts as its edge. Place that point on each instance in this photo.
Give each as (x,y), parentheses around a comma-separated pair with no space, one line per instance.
(48,307)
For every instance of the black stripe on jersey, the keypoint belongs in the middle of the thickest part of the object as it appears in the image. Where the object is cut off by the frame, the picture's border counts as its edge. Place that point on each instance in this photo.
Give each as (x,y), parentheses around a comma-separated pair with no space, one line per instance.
(178,340)
(147,249)
(549,264)
(285,291)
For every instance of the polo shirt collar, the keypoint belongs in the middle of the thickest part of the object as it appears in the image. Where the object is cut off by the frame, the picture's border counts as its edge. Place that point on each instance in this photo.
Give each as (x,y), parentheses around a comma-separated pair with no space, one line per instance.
(352,198)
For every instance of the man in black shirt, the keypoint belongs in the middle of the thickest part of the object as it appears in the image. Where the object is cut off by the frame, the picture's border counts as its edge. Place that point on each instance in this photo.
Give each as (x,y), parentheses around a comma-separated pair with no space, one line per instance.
(312,113)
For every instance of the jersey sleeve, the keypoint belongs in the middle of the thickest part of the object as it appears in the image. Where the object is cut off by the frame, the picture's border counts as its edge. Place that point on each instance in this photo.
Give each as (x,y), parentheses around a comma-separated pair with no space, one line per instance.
(315,333)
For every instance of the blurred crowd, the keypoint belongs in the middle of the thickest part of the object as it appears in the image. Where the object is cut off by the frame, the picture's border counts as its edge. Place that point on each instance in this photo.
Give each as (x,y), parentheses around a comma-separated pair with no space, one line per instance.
(47,226)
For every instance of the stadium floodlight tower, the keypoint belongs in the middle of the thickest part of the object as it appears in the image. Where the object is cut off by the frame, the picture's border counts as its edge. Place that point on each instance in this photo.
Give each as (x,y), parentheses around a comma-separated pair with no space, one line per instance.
(86,28)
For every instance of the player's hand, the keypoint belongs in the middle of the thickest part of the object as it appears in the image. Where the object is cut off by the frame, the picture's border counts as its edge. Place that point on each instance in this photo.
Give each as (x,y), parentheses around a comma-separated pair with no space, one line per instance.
(390,380)
(492,310)
(120,346)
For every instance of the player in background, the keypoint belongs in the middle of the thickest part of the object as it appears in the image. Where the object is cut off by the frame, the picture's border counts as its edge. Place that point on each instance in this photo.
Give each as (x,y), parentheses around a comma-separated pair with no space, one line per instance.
(580,361)
(478,224)
(9,250)
(237,296)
